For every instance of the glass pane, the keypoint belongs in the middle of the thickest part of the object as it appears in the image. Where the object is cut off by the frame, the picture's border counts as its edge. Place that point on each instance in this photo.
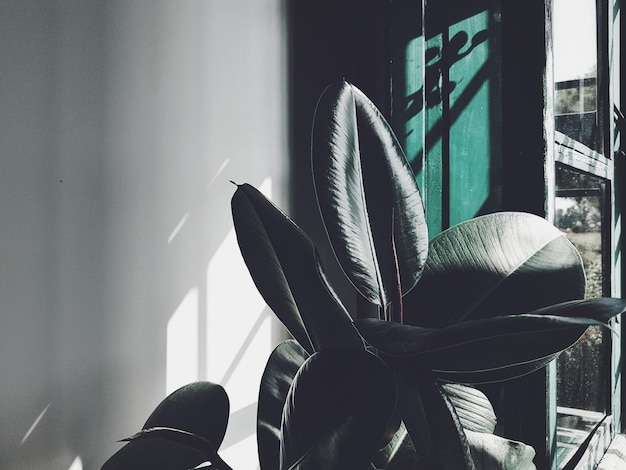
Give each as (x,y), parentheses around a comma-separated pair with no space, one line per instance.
(575,71)
(581,378)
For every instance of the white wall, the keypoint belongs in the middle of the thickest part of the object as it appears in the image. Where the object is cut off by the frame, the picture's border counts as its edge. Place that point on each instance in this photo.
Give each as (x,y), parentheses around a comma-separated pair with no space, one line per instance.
(121,123)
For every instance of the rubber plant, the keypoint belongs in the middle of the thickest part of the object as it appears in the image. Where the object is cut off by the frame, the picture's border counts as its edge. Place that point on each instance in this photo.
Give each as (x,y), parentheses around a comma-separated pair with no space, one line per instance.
(490,299)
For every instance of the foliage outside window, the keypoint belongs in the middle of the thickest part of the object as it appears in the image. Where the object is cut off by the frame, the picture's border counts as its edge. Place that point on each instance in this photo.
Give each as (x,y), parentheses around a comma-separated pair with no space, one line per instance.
(582,399)
(582,211)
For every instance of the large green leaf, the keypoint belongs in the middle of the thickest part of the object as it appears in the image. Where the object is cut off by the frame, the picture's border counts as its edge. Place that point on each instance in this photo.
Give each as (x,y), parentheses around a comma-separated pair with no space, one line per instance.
(494,375)
(475,414)
(285,267)
(338,409)
(495,452)
(472,407)
(398,454)
(505,345)
(281,368)
(367,195)
(199,408)
(156,453)
(495,265)
(187,440)
(430,418)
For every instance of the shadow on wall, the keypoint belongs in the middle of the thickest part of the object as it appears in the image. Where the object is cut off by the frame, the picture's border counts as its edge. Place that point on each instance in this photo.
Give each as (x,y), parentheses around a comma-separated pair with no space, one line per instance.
(119,279)
(446,77)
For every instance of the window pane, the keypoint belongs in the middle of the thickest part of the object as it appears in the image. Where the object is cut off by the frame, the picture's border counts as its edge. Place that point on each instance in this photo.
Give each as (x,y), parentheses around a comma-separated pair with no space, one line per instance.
(575,71)
(581,377)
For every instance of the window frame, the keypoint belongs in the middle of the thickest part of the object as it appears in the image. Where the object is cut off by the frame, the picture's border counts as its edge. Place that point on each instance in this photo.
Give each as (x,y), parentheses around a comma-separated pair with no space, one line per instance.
(523,153)
(573,154)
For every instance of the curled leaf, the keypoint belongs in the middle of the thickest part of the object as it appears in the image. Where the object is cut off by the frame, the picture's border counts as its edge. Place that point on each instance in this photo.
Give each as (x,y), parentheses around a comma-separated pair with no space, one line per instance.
(499,348)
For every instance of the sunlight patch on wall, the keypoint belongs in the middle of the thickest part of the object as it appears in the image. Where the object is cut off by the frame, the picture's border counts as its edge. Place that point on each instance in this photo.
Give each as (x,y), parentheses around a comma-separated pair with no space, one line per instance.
(239,340)
(179,225)
(207,464)
(219,172)
(184,218)
(35,424)
(77,464)
(182,343)
(244,455)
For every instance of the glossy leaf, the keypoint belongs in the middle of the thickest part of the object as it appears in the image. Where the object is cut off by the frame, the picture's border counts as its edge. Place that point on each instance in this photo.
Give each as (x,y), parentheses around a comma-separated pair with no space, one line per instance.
(199,408)
(495,452)
(472,407)
(493,344)
(367,195)
(337,411)
(285,267)
(412,461)
(433,425)
(494,375)
(495,265)
(281,368)
(186,439)
(399,453)
(149,454)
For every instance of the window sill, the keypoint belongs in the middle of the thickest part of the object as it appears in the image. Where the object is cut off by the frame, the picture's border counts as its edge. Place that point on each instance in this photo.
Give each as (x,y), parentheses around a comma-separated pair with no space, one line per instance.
(597,447)
(615,456)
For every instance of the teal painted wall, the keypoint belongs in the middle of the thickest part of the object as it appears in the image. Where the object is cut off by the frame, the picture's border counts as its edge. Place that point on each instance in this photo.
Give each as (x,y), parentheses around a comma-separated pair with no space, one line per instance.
(446,105)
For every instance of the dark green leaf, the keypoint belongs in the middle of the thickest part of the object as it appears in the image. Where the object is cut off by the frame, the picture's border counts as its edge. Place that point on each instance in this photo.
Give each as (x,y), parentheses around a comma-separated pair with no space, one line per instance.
(285,267)
(472,407)
(494,375)
(157,453)
(495,452)
(435,429)
(199,408)
(411,461)
(184,438)
(479,344)
(490,344)
(398,453)
(337,411)
(495,265)
(367,194)
(280,370)
(600,309)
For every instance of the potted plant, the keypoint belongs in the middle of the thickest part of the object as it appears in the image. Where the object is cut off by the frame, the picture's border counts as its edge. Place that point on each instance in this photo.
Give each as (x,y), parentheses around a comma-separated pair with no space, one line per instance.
(488,300)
